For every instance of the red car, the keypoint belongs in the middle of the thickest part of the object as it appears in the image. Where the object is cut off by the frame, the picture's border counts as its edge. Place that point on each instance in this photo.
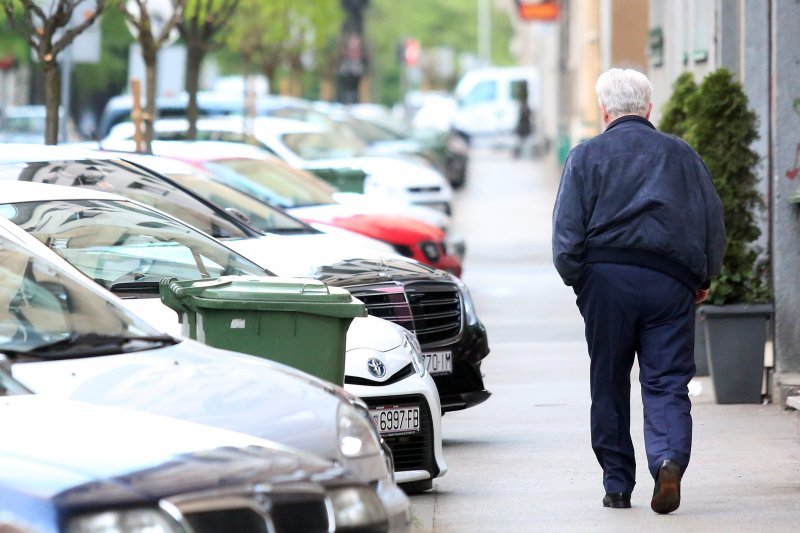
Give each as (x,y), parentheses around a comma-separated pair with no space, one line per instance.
(310,199)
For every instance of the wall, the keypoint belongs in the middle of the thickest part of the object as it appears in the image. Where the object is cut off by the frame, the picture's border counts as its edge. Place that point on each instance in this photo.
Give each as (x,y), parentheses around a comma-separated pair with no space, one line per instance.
(688,31)
(585,62)
(628,34)
(785,136)
(753,67)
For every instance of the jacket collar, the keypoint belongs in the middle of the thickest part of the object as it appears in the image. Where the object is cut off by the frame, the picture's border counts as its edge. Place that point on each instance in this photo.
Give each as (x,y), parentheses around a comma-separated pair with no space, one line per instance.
(630,118)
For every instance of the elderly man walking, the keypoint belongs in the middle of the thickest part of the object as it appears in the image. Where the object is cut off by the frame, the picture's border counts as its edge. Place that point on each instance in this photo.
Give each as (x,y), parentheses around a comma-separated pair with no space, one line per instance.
(638,233)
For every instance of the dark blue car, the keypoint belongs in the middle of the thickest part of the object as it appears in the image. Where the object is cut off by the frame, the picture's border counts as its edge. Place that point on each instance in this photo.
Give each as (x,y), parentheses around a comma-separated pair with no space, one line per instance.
(78,468)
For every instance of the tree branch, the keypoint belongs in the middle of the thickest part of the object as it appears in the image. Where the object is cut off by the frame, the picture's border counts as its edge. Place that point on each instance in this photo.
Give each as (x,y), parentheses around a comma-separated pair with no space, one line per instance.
(170,25)
(28,31)
(73,32)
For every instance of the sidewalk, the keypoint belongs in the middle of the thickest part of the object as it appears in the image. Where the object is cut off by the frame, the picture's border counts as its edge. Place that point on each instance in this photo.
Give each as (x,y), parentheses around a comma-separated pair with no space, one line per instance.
(522,461)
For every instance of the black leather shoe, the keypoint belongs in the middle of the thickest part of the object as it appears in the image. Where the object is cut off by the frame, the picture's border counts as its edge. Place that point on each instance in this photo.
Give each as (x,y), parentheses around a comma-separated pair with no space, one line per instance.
(667,492)
(617,500)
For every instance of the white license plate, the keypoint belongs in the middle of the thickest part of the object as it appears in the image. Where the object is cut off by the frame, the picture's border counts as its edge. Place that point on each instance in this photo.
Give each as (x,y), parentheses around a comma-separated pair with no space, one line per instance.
(393,419)
(439,362)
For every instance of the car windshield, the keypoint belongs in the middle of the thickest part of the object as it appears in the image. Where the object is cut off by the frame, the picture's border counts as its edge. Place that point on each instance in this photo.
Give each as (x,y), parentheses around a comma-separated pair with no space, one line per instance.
(42,306)
(272,182)
(125,247)
(323,145)
(371,132)
(259,215)
(24,124)
(131,181)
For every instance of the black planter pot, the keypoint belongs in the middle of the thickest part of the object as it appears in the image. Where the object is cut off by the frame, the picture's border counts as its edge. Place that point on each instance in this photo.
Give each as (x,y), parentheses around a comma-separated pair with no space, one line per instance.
(700,353)
(735,339)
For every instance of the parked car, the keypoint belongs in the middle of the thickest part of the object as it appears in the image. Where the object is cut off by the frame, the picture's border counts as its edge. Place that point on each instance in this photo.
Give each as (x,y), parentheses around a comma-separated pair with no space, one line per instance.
(68,466)
(129,248)
(444,149)
(70,339)
(269,180)
(26,124)
(431,303)
(214,103)
(316,148)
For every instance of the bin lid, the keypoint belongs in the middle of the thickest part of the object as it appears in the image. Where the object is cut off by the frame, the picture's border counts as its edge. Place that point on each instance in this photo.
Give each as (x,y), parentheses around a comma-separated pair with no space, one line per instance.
(262,293)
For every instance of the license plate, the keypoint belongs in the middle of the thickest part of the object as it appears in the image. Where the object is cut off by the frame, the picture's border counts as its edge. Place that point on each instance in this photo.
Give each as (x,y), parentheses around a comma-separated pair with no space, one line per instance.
(393,419)
(439,362)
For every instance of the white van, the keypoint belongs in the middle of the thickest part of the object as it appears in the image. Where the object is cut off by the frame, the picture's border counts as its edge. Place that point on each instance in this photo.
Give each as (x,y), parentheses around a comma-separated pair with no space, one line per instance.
(488,101)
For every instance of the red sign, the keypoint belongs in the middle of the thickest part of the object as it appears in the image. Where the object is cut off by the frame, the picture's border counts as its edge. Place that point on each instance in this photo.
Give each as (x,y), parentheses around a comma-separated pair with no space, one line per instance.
(539,11)
(411,52)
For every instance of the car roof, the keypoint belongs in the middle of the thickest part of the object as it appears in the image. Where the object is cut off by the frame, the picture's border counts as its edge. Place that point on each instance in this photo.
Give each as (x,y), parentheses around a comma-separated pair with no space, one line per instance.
(269,125)
(156,163)
(29,153)
(26,191)
(185,150)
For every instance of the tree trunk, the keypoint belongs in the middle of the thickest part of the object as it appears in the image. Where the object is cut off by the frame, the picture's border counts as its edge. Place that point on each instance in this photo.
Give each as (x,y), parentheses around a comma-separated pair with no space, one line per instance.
(269,68)
(52,100)
(149,57)
(194,62)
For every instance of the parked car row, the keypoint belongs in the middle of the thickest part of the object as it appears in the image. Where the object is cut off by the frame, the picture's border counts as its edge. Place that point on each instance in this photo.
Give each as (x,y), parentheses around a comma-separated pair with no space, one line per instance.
(223,438)
(370,126)
(71,466)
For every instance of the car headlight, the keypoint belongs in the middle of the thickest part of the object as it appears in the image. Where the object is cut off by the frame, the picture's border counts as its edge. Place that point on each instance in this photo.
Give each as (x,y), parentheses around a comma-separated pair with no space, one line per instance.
(359,444)
(357,508)
(125,521)
(455,246)
(412,348)
(356,437)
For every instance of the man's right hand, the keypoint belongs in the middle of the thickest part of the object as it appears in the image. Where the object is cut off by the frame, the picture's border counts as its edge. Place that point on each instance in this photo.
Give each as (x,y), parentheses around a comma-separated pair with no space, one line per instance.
(700,296)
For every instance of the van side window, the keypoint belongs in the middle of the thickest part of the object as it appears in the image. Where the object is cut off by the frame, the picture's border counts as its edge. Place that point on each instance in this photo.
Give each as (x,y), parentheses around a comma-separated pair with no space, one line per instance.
(485,91)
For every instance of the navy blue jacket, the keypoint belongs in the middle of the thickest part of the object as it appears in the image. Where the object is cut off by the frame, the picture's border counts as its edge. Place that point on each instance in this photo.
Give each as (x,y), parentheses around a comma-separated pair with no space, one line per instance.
(636,196)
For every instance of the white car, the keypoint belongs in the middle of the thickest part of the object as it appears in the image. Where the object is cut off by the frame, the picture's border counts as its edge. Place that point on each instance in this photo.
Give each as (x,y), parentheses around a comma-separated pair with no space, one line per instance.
(436,306)
(313,147)
(370,341)
(67,338)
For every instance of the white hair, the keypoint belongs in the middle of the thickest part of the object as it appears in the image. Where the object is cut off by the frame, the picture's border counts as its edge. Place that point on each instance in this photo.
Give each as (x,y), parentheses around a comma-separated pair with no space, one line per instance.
(624,92)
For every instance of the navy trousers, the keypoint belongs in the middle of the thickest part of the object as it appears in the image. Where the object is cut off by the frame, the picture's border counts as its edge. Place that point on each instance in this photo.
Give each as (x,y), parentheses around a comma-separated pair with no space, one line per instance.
(630,310)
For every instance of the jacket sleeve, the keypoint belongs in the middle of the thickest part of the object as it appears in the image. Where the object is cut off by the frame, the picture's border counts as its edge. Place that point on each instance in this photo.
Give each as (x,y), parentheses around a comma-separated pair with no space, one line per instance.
(569,229)
(716,241)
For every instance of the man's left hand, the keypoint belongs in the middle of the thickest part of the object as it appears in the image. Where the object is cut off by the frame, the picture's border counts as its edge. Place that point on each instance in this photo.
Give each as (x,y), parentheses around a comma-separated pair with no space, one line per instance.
(700,296)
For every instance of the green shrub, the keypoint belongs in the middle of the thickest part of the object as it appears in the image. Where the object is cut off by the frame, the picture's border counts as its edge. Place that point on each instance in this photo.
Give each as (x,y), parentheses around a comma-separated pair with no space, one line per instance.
(673,117)
(719,125)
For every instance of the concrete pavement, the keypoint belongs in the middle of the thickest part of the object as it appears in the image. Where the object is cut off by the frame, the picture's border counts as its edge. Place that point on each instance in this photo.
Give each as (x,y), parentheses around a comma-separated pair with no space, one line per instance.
(522,461)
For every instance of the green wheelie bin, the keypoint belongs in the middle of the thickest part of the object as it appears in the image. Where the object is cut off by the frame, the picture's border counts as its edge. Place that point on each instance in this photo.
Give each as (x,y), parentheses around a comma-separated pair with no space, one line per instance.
(300,323)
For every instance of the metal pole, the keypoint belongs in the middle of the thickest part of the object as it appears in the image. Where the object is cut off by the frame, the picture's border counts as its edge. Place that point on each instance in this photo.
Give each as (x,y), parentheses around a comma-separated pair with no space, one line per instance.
(485,32)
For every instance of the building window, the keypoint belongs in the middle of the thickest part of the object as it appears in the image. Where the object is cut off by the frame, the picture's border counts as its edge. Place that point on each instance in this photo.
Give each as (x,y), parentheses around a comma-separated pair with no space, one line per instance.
(656,47)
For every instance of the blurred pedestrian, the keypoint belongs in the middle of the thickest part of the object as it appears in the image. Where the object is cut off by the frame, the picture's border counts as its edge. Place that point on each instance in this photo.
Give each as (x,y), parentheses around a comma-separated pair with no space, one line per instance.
(638,233)
(524,127)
